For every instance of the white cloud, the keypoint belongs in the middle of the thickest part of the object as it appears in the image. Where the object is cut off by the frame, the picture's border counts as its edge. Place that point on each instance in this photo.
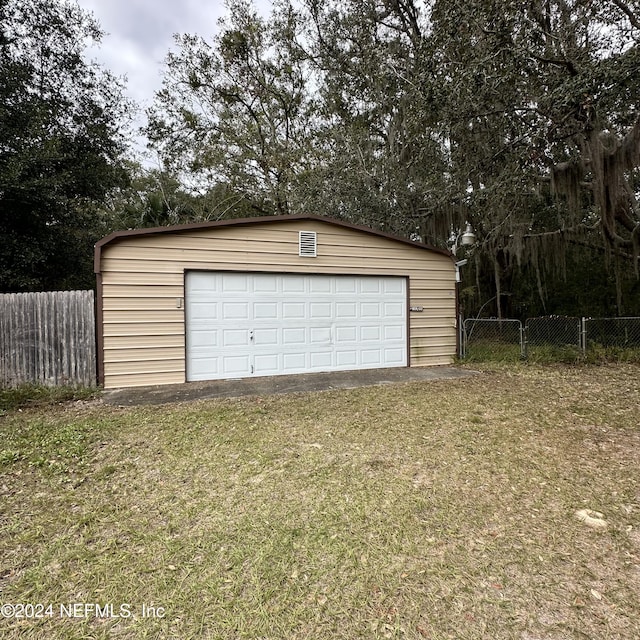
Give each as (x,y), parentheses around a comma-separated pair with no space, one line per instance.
(139,34)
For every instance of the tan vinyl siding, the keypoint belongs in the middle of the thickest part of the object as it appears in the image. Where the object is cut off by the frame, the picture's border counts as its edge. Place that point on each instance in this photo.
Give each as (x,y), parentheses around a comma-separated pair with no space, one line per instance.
(167,341)
(143,284)
(137,330)
(139,303)
(143,364)
(134,379)
(148,279)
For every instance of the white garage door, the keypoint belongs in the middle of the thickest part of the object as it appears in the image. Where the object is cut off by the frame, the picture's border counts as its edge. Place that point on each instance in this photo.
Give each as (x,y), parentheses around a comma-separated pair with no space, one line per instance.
(250,324)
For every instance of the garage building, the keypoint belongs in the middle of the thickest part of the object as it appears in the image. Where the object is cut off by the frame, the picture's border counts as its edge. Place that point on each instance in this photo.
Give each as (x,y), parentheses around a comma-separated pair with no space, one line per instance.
(268,296)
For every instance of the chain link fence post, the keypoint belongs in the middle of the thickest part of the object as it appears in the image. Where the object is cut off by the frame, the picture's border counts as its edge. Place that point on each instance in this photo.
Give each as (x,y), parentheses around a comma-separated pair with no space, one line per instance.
(461,337)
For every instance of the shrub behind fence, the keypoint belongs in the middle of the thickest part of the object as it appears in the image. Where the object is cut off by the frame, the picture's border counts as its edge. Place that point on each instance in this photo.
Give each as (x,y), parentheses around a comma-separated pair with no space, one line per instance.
(47,338)
(559,338)
(553,338)
(491,338)
(623,333)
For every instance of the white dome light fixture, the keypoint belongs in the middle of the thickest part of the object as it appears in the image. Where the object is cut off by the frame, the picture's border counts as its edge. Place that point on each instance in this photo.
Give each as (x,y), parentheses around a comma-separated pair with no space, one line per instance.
(468,237)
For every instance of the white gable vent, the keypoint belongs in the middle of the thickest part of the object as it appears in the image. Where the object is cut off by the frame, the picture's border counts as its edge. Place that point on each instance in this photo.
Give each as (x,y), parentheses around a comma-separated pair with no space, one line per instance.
(307,244)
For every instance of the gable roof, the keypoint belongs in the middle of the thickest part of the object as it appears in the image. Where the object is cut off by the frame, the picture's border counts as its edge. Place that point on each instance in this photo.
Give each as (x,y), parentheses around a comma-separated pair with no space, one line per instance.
(179,228)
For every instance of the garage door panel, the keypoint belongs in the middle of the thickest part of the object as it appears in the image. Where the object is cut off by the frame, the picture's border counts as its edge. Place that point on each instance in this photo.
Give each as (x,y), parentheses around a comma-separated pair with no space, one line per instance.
(202,368)
(293,336)
(319,335)
(320,310)
(295,362)
(370,310)
(266,364)
(235,283)
(346,285)
(265,310)
(204,283)
(264,283)
(371,285)
(235,311)
(204,338)
(320,360)
(293,284)
(370,334)
(347,359)
(393,310)
(235,337)
(346,310)
(393,285)
(346,334)
(240,325)
(266,337)
(394,356)
(293,310)
(235,365)
(393,332)
(320,284)
(203,311)
(371,357)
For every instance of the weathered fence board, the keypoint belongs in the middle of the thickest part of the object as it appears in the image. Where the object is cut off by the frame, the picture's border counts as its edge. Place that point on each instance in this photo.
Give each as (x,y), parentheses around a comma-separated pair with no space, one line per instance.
(47,338)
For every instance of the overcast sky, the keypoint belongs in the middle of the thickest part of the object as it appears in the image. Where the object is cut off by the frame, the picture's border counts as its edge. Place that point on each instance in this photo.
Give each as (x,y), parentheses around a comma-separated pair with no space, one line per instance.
(139,33)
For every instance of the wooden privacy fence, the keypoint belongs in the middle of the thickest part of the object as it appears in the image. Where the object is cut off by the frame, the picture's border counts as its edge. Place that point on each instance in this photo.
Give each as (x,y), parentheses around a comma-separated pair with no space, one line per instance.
(47,338)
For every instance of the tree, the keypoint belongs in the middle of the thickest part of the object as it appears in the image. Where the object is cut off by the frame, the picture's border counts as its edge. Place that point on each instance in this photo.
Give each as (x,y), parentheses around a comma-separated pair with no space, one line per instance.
(540,103)
(383,162)
(519,118)
(235,111)
(157,197)
(61,144)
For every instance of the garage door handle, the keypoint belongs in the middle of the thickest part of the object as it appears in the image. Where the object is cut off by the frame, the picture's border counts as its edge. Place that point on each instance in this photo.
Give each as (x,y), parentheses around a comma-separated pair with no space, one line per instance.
(250,335)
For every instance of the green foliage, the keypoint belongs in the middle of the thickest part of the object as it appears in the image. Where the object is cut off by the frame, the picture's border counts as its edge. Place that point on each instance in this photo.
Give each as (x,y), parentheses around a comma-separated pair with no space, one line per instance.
(32,395)
(598,354)
(582,285)
(57,448)
(544,147)
(492,351)
(409,117)
(60,144)
(550,353)
(236,111)
(487,351)
(155,198)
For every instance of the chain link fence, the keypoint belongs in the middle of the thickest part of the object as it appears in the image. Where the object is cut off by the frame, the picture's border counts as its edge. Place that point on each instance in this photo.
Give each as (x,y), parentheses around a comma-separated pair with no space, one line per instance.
(612,332)
(551,338)
(492,339)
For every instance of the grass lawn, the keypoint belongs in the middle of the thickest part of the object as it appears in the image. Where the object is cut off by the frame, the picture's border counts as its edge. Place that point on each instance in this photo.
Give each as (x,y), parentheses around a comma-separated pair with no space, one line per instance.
(440,509)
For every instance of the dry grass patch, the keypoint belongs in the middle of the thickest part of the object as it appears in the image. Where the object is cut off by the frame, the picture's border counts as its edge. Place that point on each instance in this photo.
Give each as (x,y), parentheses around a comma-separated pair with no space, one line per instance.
(435,510)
